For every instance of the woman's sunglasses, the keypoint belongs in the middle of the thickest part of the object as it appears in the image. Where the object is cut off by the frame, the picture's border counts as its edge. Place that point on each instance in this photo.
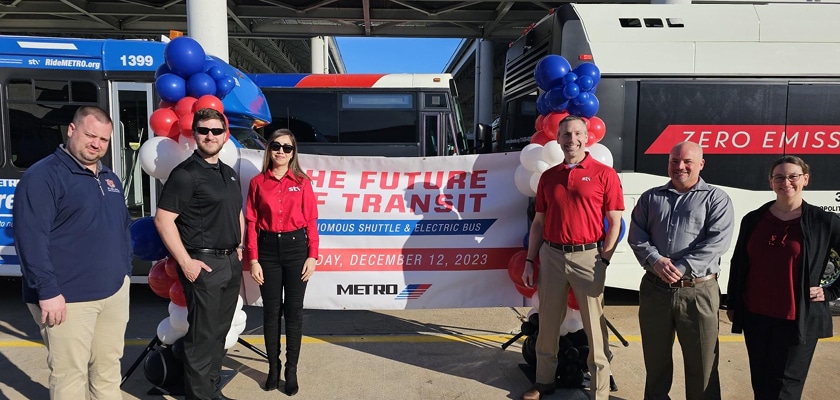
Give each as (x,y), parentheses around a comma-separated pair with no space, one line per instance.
(203,130)
(287,148)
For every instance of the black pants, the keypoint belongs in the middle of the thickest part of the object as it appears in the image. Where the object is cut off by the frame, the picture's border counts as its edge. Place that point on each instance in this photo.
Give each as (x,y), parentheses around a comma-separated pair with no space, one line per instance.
(211,303)
(778,364)
(282,258)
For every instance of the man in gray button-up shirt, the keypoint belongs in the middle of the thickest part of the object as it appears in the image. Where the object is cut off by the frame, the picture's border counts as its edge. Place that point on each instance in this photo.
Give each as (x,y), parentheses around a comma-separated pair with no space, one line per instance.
(678,232)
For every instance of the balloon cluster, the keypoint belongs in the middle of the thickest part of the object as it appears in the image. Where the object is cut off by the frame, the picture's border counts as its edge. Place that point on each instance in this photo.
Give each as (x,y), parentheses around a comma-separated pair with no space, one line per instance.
(574,348)
(188,81)
(565,91)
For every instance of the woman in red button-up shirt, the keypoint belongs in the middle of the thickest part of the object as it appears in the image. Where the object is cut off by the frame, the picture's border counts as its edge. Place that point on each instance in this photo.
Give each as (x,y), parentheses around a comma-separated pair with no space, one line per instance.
(282,246)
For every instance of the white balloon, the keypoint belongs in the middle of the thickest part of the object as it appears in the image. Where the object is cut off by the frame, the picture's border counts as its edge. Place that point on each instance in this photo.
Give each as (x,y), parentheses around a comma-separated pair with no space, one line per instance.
(553,153)
(187,145)
(178,318)
(231,338)
(239,302)
(172,306)
(159,155)
(529,155)
(601,153)
(522,180)
(229,154)
(572,323)
(166,333)
(534,181)
(239,317)
(542,166)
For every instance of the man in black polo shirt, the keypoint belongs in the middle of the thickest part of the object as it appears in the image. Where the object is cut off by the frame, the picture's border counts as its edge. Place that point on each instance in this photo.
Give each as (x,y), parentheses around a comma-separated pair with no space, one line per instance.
(200,220)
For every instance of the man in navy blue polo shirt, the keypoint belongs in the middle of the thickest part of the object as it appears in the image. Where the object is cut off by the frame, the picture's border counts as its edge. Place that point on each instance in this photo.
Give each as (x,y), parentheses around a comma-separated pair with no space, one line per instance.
(200,220)
(71,233)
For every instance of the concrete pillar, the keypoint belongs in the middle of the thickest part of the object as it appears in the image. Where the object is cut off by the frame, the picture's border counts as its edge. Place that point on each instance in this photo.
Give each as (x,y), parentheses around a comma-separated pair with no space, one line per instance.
(207,24)
(319,47)
(483,83)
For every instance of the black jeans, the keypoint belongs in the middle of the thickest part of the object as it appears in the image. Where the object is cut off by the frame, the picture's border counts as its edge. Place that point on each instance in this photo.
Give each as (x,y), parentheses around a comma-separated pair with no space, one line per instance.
(778,364)
(211,303)
(282,258)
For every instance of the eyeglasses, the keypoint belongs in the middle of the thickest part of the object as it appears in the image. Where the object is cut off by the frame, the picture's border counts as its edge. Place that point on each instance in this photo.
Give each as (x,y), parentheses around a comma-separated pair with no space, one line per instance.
(275,146)
(781,178)
(776,240)
(203,130)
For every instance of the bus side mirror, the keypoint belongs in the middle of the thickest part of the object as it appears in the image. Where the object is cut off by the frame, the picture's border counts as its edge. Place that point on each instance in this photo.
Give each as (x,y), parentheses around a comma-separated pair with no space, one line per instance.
(485,133)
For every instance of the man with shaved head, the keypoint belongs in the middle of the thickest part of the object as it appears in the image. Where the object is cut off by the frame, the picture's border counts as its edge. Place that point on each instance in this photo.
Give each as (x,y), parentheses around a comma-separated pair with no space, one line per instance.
(678,232)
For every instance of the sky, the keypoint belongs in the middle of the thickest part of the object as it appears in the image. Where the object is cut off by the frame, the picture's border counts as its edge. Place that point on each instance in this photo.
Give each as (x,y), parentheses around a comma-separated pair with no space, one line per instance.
(395,55)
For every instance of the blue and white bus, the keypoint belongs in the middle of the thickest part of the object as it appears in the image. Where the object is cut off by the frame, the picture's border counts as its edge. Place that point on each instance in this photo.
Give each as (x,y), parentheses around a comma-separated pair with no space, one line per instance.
(42,83)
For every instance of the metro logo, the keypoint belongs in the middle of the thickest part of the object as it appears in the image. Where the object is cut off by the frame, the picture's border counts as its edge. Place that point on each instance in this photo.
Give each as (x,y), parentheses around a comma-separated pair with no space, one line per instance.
(413,291)
(751,139)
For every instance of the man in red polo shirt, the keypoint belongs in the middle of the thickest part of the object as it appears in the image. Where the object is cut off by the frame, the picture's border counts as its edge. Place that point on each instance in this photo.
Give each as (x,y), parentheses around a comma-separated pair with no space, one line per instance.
(573,198)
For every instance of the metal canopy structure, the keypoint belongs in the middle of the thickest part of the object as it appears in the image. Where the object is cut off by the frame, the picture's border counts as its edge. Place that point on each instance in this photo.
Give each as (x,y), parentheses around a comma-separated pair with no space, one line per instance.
(273,35)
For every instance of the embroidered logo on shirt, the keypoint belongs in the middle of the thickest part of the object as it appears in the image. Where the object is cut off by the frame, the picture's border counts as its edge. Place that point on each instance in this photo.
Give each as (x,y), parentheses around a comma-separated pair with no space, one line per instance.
(294,189)
(233,178)
(111,186)
(586,179)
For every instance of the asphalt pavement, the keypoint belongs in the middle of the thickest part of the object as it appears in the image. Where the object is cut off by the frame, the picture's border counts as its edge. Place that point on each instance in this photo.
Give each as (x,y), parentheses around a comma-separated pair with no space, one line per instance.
(405,354)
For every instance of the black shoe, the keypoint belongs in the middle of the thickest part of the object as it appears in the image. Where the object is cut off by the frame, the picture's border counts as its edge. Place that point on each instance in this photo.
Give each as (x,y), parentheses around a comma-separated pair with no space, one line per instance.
(271,382)
(221,397)
(291,381)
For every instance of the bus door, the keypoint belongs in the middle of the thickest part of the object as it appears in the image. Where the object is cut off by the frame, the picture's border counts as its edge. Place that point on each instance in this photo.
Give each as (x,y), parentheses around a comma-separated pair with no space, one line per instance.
(440,137)
(131,107)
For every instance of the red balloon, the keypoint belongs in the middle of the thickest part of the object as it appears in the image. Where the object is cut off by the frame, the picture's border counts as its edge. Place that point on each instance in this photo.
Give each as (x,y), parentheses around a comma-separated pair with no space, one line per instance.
(171,268)
(516,266)
(185,105)
(538,124)
(526,291)
(164,122)
(572,302)
(159,282)
(185,123)
(227,127)
(597,129)
(209,101)
(551,123)
(541,138)
(176,293)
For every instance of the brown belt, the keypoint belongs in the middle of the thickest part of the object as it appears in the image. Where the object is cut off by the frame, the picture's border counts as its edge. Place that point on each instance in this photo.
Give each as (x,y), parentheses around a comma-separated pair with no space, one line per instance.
(683,283)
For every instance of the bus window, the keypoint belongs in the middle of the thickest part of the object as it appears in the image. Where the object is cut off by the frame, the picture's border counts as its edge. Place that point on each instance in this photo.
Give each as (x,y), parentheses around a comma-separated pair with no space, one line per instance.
(249,138)
(430,128)
(311,116)
(39,112)
(435,100)
(377,118)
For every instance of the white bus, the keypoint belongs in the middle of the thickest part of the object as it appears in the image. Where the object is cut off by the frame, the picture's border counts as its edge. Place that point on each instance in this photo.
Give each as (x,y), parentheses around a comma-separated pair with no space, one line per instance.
(748,82)
(394,115)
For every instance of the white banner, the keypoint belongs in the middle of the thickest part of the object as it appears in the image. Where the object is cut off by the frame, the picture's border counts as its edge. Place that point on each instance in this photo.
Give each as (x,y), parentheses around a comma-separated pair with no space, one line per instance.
(400,233)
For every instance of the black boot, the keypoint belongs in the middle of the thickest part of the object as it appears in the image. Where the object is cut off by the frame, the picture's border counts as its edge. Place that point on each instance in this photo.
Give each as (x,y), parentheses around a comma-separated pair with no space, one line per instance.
(291,381)
(271,333)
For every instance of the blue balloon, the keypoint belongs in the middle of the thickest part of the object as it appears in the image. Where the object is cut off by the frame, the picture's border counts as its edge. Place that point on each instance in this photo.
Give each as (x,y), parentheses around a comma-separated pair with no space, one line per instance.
(145,240)
(209,63)
(171,87)
(621,232)
(571,90)
(550,71)
(542,104)
(573,109)
(162,69)
(590,70)
(556,100)
(184,56)
(200,84)
(215,72)
(224,86)
(571,77)
(582,98)
(585,83)
(590,108)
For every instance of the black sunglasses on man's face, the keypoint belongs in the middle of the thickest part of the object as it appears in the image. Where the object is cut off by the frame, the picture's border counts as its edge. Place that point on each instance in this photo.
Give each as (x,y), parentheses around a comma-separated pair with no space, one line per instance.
(275,146)
(203,130)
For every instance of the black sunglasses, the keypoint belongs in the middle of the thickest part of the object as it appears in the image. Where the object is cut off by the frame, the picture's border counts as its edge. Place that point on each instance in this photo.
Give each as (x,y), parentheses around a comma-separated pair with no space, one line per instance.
(203,130)
(287,148)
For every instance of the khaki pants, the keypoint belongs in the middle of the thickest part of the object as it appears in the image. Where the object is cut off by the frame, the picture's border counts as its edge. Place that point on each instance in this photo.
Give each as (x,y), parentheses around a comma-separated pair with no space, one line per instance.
(84,352)
(585,273)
